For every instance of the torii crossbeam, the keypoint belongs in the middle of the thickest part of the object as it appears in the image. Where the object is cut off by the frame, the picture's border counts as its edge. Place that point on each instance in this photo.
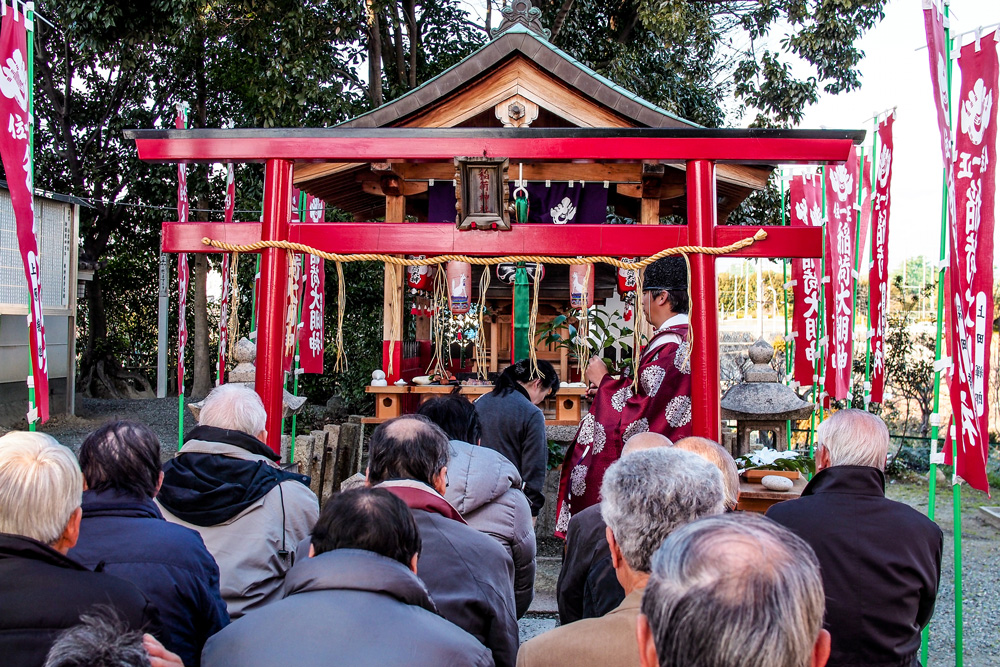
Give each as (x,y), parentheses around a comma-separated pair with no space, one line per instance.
(697,149)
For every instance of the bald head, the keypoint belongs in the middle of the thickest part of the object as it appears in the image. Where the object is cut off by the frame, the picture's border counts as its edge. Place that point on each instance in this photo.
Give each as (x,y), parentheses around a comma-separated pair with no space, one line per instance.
(408,447)
(727,590)
(717,455)
(645,440)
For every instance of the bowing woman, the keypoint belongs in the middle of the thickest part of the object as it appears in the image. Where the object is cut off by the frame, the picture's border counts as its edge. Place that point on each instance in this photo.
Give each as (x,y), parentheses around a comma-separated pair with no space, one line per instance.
(513,424)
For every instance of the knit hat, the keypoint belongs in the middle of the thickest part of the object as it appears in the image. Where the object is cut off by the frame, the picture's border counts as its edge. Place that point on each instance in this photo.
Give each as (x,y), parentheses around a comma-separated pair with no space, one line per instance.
(666,273)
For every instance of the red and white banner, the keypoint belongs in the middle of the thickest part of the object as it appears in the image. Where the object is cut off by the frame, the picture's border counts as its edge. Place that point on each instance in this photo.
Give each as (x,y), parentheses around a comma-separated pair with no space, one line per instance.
(878,273)
(230,207)
(311,341)
(841,228)
(970,271)
(182,263)
(806,199)
(866,211)
(295,276)
(937,53)
(15,151)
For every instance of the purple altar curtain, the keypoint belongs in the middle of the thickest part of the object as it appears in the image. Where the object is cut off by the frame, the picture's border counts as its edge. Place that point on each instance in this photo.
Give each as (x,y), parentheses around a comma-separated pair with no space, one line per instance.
(559,203)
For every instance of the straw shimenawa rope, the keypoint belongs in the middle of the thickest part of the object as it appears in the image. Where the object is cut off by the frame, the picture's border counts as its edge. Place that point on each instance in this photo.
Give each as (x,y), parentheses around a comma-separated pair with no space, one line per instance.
(440,285)
(760,235)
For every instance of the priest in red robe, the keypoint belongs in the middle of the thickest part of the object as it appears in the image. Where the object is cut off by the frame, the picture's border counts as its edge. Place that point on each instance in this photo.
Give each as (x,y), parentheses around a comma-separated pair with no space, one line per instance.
(660,401)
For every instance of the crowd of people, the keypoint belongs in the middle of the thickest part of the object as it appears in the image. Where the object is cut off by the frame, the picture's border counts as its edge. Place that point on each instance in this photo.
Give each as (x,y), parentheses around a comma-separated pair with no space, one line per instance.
(221,557)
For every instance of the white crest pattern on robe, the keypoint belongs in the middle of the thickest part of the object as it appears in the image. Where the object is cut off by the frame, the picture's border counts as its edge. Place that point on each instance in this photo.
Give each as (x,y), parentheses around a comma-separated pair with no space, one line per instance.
(578,480)
(678,411)
(620,397)
(651,379)
(682,360)
(586,436)
(636,427)
(562,522)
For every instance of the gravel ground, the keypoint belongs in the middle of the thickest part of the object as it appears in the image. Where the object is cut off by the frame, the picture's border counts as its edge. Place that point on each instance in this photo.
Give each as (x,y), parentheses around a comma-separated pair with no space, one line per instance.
(981,575)
(160,414)
(980,538)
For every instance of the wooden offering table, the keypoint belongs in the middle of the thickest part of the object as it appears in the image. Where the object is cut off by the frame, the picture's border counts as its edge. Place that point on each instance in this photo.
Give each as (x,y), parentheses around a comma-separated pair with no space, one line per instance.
(755,498)
(563,409)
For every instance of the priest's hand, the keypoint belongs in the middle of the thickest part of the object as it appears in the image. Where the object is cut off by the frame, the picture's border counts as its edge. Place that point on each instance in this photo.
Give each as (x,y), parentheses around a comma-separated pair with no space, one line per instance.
(596,372)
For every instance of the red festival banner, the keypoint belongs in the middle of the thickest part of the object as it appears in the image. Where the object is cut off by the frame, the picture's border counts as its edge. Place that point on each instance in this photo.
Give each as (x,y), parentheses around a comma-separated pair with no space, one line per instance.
(15,151)
(182,263)
(295,275)
(878,273)
(806,199)
(866,210)
(841,228)
(230,207)
(937,52)
(311,342)
(970,271)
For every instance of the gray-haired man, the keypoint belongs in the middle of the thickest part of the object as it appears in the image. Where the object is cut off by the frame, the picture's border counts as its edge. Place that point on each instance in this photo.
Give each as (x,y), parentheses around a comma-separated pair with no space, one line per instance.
(645,496)
(733,591)
(226,484)
(881,560)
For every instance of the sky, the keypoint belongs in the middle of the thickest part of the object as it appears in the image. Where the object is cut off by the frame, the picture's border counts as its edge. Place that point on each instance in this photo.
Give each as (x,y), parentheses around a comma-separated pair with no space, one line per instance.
(896,74)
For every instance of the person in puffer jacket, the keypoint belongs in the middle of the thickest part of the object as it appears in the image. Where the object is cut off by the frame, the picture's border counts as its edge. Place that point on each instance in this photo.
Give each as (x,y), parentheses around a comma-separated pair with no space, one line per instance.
(485,488)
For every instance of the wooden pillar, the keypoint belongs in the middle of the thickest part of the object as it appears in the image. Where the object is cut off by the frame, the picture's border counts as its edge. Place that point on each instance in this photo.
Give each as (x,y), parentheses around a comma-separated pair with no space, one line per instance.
(270,378)
(651,183)
(705,386)
(395,211)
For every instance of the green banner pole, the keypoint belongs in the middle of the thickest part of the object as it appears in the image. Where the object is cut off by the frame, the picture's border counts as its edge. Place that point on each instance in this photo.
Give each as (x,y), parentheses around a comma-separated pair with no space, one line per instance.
(298,329)
(820,361)
(180,389)
(857,274)
(29,17)
(789,342)
(871,258)
(955,486)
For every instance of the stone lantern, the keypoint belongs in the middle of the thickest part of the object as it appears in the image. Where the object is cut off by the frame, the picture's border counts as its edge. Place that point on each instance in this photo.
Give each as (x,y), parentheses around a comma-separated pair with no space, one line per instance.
(761,403)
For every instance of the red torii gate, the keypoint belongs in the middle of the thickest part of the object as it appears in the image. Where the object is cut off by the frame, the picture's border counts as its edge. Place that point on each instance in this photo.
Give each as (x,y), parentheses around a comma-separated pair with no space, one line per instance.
(698,149)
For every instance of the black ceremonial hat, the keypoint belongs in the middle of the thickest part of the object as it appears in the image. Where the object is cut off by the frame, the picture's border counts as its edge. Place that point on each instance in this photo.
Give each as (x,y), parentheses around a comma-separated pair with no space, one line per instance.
(666,273)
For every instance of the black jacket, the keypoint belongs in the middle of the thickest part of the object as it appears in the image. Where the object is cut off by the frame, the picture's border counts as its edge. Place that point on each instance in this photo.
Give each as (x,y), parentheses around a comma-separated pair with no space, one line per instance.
(588,586)
(43,592)
(880,560)
(167,562)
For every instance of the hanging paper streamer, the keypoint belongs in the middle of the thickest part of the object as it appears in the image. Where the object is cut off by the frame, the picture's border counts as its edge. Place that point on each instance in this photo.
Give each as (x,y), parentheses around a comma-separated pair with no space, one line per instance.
(581,285)
(224,305)
(183,273)
(971,270)
(15,150)
(459,286)
(841,202)
(878,274)
(311,341)
(806,199)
